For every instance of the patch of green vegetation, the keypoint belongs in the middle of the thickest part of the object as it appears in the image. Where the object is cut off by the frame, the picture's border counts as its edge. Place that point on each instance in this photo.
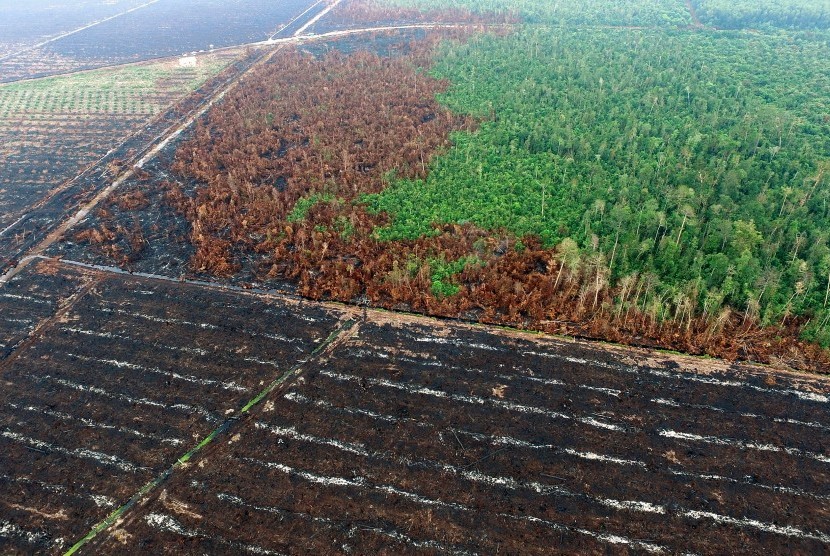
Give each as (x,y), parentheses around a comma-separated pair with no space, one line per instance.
(442,273)
(570,12)
(125,90)
(304,204)
(699,159)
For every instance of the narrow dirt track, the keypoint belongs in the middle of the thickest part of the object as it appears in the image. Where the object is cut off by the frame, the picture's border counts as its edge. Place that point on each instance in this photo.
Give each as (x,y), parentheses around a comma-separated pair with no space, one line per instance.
(693,14)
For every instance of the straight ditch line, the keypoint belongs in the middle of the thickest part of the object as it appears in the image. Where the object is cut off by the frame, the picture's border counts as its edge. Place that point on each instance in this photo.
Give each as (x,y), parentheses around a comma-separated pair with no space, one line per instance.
(64,308)
(317,17)
(290,23)
(74,31)
(344,331)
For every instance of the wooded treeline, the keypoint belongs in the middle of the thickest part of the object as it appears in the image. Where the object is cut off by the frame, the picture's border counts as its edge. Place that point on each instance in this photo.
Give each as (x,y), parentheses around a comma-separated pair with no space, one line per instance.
(701,161)
(286,163)
(722,14)
(760,14)
(555,12)
(351,13)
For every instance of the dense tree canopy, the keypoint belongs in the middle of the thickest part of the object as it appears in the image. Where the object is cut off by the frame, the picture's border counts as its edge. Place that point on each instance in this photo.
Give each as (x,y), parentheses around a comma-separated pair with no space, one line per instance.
(703,159)
(571,12)
(741,14)
(722,14)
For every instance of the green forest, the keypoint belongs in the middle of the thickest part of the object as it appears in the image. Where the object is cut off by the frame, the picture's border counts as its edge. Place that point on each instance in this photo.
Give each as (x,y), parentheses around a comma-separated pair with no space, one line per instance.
(570,12)
(701,159)
(721,14)
(740,14)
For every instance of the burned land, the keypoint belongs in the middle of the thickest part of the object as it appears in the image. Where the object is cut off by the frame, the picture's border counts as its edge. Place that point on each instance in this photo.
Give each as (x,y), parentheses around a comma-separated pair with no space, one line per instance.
(53,129)
(108,382)
(137,32)
(401,435)
(259,321)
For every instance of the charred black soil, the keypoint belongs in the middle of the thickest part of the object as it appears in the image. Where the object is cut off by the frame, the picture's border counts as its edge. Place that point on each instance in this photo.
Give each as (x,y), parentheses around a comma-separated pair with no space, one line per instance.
(110,392)
(416,439)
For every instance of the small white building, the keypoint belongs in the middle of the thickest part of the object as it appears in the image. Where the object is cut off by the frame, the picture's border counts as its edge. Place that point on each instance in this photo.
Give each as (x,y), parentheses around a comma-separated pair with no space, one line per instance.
(187,62)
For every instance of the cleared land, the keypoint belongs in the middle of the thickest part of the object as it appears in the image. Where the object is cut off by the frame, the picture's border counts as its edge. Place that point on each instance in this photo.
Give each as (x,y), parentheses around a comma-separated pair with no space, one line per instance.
(113,380)
(406,435)
(26,24)
(421,438)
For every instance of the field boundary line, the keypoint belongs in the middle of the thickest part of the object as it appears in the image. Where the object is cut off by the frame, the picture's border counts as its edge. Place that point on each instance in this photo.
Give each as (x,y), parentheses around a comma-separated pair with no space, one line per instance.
(287,25)
(317,17)
(636,356)
(344,330)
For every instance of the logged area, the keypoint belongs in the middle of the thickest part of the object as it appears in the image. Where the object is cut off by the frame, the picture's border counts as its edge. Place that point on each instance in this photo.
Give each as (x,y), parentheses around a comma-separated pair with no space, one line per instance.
(418,439)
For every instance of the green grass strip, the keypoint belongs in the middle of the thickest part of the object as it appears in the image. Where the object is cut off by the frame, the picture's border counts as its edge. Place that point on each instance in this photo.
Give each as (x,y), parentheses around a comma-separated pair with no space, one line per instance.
(221,429)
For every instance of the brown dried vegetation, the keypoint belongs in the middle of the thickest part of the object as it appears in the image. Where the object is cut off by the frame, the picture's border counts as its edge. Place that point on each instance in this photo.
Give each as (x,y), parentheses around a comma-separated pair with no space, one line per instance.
(337,126)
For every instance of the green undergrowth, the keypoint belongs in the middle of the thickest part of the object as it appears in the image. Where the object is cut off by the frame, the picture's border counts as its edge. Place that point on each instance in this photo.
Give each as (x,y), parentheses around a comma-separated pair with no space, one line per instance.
(443,272)
(304,204)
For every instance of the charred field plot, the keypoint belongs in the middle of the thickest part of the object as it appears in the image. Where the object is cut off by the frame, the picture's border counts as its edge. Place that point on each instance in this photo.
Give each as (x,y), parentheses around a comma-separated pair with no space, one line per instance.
(160,29)
(32,299)
(412,438)
(118,382)
(26,24)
